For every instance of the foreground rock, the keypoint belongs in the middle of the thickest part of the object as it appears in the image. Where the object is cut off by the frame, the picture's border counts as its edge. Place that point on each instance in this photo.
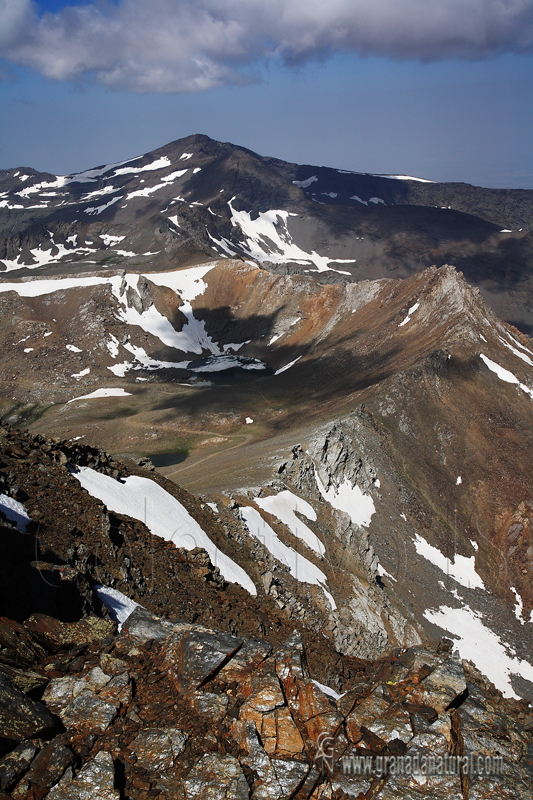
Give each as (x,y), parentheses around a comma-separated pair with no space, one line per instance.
(175,710)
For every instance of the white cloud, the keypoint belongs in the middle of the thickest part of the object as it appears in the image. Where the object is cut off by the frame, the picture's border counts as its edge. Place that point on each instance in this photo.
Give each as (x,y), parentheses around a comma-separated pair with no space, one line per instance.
(191,45)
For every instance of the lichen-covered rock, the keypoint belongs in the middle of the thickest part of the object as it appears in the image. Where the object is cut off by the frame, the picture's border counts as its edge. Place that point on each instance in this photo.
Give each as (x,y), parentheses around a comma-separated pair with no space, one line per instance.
(15,763)
(20,716)
(55,635)
(18,642)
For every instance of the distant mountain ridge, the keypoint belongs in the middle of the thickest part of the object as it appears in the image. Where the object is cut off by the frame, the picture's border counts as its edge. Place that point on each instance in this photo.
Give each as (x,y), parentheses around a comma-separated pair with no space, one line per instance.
(196,199)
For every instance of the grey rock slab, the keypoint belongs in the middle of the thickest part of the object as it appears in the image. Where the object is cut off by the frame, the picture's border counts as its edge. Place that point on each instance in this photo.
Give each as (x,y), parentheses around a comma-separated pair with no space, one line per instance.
(216,777)
(143,626)
(190,659)
(395,723)
(95,780)
(252,653)
(290,659)
(268,786)
(212,706)
(268,695)
(96,678)
(419,777)
(442,686)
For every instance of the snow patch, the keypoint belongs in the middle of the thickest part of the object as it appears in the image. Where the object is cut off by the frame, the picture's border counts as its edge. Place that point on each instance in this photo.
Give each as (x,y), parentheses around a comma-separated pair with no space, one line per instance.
(98,209)
(81,374)
(350,499)
(405,178)
(102,393)
(409,314)
(285,506)
(73,348)
(287,366)
(119,370)
(519,607)
(117,603)
(14,511)
(112,345)
(326,689)
(520,355)
(110,240)
(158,164)
(305,184)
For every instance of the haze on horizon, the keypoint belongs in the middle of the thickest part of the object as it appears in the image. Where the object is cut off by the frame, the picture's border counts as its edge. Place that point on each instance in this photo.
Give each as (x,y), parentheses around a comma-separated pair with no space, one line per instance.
(442,91)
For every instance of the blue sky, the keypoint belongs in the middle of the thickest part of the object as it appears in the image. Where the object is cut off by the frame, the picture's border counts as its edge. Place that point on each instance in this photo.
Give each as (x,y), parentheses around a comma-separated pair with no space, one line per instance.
(443,103)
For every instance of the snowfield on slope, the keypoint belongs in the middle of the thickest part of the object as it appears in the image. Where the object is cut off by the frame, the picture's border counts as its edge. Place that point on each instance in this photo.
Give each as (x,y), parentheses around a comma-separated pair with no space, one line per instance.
(163,515)
(504,374)
(101,393)
(187,283)
(268,238)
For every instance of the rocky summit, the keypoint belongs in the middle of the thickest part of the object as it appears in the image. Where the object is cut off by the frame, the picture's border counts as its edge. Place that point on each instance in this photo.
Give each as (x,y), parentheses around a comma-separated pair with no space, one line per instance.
(266,508)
